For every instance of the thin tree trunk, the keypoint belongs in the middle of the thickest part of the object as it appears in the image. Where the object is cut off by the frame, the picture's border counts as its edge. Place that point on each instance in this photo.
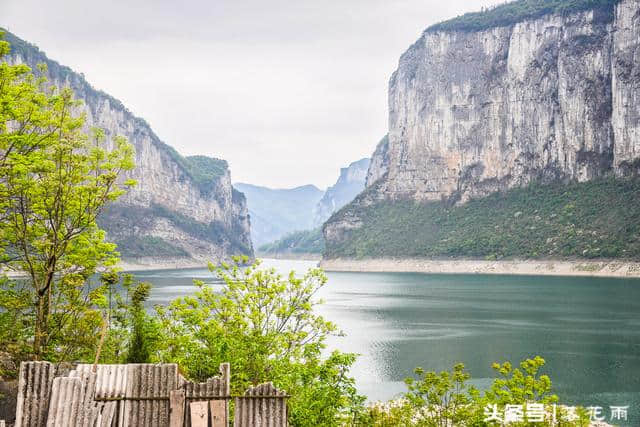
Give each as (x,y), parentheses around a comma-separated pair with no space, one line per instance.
(39,332)
(42,317)
(103,334)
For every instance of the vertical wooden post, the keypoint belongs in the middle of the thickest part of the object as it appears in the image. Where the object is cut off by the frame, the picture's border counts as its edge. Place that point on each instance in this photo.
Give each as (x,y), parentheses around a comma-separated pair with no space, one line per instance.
(218,411)
(176,408)
(199,414)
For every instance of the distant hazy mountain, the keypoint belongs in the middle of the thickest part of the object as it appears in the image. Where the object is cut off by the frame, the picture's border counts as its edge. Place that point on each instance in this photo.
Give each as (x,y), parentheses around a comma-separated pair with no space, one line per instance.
(277,212)
(350,183)
(310,240)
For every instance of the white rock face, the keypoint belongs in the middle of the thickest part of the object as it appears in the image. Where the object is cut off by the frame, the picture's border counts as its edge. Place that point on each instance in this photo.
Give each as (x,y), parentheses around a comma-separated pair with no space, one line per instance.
(626,87)
(552,98)
(162,181)
(379,162)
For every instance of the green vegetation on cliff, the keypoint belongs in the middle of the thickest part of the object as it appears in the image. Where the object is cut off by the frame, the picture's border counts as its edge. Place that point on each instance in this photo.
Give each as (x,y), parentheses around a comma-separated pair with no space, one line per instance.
(298,242)
(597,219)
(518,11)
(206,169)
(144,246)
(202,170)
(119,219)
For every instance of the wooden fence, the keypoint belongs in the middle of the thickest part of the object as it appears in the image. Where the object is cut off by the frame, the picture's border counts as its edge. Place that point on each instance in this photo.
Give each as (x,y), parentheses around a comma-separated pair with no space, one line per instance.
(139,395)
(261,406)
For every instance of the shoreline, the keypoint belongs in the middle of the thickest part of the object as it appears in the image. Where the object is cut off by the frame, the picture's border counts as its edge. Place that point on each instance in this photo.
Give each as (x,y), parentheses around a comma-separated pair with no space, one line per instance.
(603,268)
(128,265)
(302,256)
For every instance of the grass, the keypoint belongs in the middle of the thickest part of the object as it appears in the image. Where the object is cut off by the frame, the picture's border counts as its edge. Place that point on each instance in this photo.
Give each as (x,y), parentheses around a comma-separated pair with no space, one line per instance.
(521,10)
(591,220)
(299,242)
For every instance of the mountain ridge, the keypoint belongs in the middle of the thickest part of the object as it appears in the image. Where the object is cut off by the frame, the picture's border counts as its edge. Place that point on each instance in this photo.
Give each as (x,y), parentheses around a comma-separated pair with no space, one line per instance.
(474,113)
(192,192)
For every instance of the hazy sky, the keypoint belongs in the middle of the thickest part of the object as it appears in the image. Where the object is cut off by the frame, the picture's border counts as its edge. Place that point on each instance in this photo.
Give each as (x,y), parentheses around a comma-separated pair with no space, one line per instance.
(286,91)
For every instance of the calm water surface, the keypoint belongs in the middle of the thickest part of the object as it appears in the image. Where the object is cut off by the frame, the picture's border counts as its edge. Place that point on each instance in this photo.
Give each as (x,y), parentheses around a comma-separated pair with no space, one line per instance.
(586,328)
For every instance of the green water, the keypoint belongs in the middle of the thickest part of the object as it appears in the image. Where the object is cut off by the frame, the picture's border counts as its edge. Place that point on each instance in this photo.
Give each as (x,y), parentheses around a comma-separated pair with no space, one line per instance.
(586,328)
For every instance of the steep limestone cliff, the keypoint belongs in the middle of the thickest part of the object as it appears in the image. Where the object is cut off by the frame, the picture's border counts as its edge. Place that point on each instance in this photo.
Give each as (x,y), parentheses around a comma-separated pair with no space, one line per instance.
(182,207)
(379,163)
(550,99)
(350,182)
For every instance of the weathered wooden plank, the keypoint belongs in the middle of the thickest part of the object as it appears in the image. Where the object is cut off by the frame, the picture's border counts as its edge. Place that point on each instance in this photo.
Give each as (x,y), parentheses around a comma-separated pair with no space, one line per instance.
(215,388)
(107,415)
(218,411)
(34,388)
(261,406)
(66,405)
(199,414)
(176,408)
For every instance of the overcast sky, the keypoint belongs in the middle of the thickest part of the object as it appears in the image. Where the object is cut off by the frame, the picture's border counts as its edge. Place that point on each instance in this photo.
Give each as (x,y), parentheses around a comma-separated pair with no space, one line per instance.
(286,91)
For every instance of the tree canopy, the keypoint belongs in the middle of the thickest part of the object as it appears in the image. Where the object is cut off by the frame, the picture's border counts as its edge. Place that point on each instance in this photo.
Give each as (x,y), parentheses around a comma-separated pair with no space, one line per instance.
(517,11)
(54,181)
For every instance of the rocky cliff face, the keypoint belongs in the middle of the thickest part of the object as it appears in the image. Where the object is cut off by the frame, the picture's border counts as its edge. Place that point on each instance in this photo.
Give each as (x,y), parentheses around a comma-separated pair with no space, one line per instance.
(181,207)
(474,112)
(350,182)
(379,164)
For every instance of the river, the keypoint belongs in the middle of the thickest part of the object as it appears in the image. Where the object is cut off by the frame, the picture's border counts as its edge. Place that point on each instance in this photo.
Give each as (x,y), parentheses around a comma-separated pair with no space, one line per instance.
(587,329)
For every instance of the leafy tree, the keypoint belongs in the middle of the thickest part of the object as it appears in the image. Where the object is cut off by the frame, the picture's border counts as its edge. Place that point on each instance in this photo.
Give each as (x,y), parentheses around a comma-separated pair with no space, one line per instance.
(54,182)
(442,398)
(524,385)
(445,399)
(521,385)
(265,326)
(142,330)
(132,333)
(15,328)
